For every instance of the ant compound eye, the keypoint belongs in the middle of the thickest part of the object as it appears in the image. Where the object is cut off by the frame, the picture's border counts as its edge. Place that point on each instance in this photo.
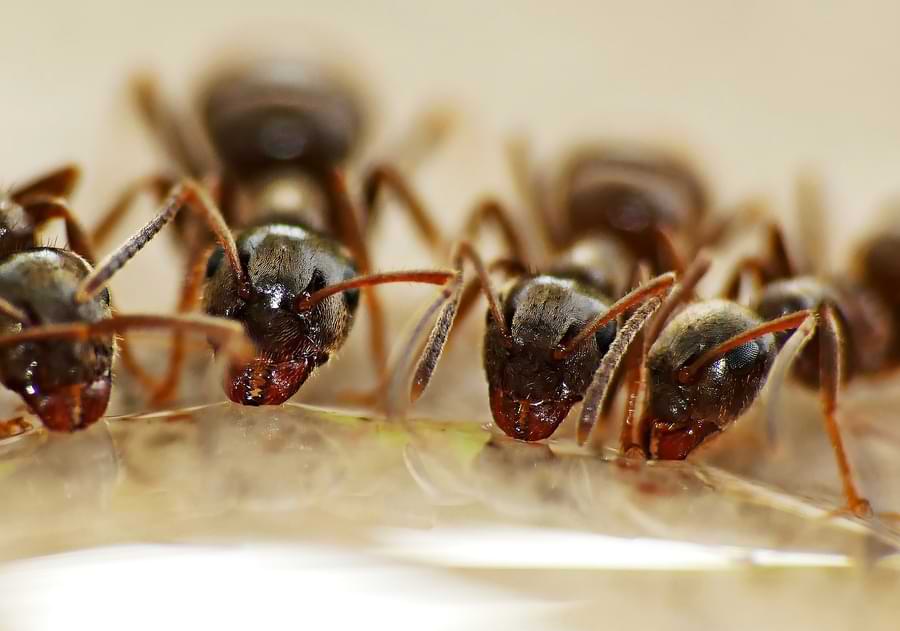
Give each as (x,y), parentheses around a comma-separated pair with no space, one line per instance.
(742,357)
(104,296)
(214,262)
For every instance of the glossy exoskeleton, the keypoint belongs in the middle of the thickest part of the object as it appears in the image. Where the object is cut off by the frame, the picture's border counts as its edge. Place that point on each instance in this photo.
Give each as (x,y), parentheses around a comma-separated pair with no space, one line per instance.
(711,360)
(296,256)
(56,339)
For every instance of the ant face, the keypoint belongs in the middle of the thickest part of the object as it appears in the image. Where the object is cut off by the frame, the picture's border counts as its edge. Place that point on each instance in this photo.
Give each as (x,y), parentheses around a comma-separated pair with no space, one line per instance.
(67,383)
(283,263)
(530,390)
(686,411)
(281,114)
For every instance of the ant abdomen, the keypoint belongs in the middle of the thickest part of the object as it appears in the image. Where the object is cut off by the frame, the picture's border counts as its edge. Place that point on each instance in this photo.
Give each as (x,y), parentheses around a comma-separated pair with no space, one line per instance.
(281,114)
(861,318)
(686,409)
(640,198)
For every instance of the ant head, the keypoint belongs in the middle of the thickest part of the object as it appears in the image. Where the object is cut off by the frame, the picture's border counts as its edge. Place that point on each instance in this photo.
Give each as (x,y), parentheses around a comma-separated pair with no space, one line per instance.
(686,410)
(281,114)
(282,264)
(531,391)
(66,382)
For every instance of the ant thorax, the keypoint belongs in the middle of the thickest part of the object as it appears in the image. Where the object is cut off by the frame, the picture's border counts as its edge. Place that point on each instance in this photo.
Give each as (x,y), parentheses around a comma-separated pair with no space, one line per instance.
(291,194)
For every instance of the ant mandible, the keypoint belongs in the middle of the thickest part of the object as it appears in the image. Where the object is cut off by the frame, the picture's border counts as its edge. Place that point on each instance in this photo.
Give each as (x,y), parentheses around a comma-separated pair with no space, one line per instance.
(56,322)
(275,125)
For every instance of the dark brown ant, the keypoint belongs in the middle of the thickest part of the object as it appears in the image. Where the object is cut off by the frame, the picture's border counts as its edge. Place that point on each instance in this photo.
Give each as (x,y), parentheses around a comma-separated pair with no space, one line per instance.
(56,321)
(552,338)
(652,203)
(277,125)
(555,329)
(710,361)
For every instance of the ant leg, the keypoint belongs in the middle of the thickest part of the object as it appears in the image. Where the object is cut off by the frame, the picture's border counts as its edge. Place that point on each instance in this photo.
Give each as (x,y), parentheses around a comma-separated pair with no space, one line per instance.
(745,282)
(190,298)
(58,183)
(185,193)
(784,323)
(533,190)
(491,210)
(831,350)
(11,311)
(15,426)
(660,285)
(386,176)
(599,389)
(43,208)
(159,118)
(682,292)
(157,185)
(421,352)
(812,221)
(348,229)
(227,333)
(422,137)
(779,372)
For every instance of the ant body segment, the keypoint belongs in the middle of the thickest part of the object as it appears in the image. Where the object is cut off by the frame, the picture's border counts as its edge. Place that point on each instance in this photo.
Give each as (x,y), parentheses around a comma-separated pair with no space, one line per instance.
(56,323)
(278,125)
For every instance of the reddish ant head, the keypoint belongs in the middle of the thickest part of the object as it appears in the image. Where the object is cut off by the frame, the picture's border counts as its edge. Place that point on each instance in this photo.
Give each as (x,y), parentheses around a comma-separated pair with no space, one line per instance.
(281,114)
(531,391)
(686,411)
(67,383)
(282,263)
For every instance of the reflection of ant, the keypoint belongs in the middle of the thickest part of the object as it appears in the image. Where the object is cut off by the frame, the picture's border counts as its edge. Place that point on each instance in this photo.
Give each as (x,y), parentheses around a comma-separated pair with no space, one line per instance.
(553,336)
(710,361)
(56,323)
(276,127)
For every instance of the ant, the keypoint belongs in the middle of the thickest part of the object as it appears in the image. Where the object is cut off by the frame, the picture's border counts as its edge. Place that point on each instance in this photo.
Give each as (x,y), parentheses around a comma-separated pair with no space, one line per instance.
(708,363)
(652,203)
(274,126)
(555,329)
(56,321)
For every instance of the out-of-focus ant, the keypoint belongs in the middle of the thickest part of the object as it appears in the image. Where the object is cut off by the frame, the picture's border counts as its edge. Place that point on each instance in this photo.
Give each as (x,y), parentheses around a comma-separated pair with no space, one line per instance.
(276,126)
(56,322)
(649,201)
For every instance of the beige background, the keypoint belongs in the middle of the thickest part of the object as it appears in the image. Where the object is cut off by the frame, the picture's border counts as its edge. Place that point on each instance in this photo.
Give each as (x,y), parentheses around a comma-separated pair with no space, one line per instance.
(755,90)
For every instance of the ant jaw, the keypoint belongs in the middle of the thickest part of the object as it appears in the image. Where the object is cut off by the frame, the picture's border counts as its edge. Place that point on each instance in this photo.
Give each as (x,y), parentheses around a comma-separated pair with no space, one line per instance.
(264,381)
(524,420)
(71,408)
(669,441)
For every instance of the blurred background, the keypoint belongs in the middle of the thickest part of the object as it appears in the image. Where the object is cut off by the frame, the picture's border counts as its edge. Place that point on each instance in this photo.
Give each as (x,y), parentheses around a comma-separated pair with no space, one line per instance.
(752,91)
